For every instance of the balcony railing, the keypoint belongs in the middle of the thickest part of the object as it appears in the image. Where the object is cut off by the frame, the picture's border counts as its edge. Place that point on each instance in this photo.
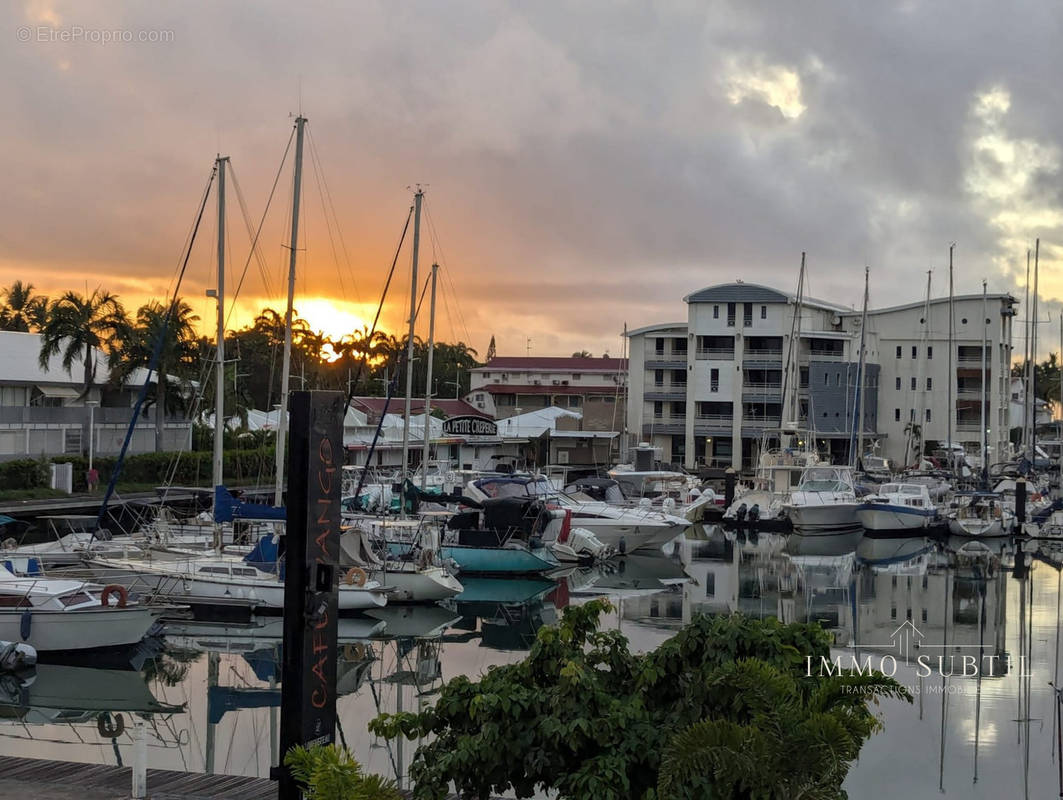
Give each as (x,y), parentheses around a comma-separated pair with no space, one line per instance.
(73,415)
(825,355)
(758,352)
(769,386)
(666,386)
(968,358)
(969,425)
(714,419)
(715,353)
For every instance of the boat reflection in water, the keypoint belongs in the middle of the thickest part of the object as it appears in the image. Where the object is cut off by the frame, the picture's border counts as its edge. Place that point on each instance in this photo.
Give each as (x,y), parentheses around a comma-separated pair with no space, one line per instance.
(927,608)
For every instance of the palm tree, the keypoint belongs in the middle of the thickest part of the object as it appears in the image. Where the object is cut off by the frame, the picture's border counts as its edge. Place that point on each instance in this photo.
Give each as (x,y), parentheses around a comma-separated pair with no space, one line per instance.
(22,308)
(176,353)
(77,326)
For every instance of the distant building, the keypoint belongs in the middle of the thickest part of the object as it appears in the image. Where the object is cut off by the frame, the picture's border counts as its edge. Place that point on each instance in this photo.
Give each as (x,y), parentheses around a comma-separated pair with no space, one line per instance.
(708,390)
(510,385)
(43,411)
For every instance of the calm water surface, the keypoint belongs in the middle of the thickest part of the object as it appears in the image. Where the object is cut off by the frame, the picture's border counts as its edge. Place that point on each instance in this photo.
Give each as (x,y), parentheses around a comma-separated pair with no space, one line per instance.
(209,693)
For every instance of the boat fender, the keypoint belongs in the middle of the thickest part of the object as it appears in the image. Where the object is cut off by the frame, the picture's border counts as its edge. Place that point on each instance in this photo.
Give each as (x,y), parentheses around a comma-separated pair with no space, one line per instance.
(114,588)
(354,652)
(110,728)
(25,624)
(9,543)
(355,576)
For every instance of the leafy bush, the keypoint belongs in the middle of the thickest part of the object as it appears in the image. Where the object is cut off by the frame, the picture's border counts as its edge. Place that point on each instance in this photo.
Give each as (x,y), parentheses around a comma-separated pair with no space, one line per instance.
(584,717)
(331,773)
(24,473)
(192,468)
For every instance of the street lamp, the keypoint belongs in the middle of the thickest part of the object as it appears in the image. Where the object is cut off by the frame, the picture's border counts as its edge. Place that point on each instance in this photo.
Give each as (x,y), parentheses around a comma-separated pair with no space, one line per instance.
(92,428)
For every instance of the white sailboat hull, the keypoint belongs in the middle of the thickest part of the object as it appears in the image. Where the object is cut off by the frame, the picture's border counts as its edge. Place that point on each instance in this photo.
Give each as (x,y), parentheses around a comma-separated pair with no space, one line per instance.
(89,629)
(419,586)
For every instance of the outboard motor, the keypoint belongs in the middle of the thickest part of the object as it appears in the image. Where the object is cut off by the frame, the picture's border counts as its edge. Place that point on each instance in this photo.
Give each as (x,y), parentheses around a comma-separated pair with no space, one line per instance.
(754,512)
(740,513)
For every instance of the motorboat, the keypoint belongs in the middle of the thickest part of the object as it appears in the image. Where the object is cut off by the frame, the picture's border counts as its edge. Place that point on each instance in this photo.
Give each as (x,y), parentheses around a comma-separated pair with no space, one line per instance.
(980,514)
(824,501)
(778,473)
(75,536)
(505,537)
(51,614)
(897,506)
(621,528)
(416,575)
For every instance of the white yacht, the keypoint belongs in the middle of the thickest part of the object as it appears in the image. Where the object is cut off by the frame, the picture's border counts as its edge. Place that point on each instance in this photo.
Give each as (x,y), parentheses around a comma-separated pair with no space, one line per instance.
(779,471)
(981,514)
(824,501)
(897,506)
(50,614)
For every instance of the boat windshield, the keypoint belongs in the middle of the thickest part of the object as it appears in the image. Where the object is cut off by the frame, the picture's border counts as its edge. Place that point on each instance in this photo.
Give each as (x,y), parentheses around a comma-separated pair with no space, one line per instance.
(508,487)
(824,480)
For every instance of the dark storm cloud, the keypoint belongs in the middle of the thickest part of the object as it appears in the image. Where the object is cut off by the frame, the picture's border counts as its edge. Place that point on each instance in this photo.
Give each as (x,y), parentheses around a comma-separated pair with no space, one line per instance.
(589,162)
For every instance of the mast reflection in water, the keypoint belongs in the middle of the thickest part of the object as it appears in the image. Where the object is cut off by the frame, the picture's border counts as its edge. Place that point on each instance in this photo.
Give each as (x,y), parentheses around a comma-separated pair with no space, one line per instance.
(210,695)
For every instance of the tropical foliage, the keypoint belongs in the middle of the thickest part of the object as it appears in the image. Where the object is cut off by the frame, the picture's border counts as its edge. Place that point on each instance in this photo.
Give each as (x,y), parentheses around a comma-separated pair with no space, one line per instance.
(331,773)
(721,710)
(75,327)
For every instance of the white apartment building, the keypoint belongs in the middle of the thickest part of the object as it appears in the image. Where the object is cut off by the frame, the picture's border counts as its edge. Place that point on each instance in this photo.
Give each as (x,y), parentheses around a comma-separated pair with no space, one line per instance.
(710,390)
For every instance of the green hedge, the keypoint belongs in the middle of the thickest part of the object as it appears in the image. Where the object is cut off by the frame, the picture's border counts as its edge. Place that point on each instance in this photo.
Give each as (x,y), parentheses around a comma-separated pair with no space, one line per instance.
(24,473)
(192,469)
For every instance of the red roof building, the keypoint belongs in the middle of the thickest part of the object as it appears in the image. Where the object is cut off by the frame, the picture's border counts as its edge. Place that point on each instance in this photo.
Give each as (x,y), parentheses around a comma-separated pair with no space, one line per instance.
(373,407)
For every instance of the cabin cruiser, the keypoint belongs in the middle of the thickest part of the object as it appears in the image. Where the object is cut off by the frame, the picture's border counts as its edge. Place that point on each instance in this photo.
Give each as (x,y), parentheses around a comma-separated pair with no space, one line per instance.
(51,614)
(897,506)
(623,529)
(75,537)
(824,501)
(981,514)
(506,537)
(779,470)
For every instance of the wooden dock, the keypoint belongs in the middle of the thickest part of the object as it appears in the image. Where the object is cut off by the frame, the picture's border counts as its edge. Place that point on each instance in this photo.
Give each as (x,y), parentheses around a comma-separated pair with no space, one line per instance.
(25,778)
(40,779)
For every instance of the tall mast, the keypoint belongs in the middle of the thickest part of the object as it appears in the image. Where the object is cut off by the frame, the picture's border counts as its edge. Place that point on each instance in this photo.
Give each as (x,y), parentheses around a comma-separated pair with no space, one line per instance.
(217,473)
(417,198)
(857,435)
(286,368)
(792,378)
(428,380)
(1031,389)
(1026,358)
(1059,436)
(985,389)
(951,375)
(921,382)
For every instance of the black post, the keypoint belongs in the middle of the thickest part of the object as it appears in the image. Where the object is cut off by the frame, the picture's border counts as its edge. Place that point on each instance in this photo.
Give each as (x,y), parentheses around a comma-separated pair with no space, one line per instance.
(1020,502)
(728,487)
(308,675)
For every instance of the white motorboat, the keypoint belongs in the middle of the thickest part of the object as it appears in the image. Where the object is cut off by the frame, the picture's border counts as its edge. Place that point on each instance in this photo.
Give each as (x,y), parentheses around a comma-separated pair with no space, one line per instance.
(981,514)
(623,529)
(824,501)
(50,614)
(779,471)
(228,580)
(897,506)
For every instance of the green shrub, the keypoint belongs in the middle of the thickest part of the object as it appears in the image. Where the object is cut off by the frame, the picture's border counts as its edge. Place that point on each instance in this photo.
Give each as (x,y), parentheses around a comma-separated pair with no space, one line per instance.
(331,773)
(24,473)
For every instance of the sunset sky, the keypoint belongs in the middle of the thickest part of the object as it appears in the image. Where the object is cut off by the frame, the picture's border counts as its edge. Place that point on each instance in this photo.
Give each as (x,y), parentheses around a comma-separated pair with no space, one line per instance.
(587,163)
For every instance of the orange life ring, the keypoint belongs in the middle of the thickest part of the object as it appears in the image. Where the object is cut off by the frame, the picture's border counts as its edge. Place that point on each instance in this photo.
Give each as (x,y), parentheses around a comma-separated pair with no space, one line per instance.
(123,595)
(355,576)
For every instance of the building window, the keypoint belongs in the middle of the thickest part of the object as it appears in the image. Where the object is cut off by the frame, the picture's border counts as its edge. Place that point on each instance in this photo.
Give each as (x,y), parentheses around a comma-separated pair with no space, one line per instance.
(898,383)
(487,374)
(730,315)
(929,384)
(928,415)
(659,346)
(915,352)
(716,311)
(763,312)
(658,409)
(714,380)
(826,379)
(924,615)
(710,585)
(913,384)
(837,379)
(577,375)
(72,441)
(896,415)
(929,352)
(898,351)
(747,315)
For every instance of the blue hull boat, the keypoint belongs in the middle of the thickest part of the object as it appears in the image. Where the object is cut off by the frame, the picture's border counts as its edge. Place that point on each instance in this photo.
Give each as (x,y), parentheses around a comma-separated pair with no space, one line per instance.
(500,560)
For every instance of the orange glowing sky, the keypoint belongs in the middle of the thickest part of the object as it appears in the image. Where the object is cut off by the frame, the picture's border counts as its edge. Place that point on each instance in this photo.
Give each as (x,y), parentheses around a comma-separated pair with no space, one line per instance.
(587,163)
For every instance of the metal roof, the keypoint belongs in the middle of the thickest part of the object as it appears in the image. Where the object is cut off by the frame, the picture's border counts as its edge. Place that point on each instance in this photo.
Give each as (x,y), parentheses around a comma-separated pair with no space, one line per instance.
(740,292)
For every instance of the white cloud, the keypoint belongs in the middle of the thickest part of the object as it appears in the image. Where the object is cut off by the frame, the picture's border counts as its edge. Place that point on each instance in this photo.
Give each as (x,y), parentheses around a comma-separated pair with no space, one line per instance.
(772,84)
